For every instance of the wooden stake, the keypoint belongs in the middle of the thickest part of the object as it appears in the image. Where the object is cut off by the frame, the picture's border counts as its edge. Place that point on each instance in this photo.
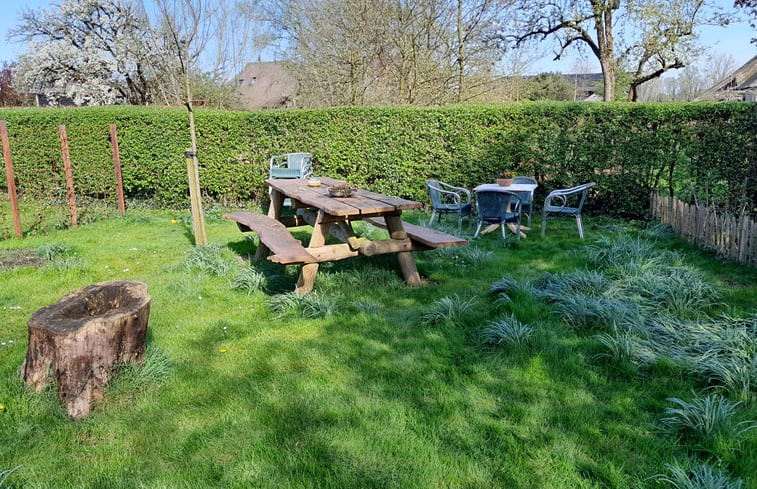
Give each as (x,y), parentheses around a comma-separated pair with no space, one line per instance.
(117,170)
(70,192)
(10,179)
(198,219)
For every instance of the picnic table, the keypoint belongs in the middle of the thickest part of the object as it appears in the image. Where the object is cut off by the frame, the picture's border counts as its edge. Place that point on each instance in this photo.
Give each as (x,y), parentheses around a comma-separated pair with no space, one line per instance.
(333,216)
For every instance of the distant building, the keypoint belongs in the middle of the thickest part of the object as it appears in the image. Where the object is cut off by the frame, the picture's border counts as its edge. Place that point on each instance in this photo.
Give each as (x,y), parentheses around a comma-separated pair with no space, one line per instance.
(266,85)
(585,85)
(739,86)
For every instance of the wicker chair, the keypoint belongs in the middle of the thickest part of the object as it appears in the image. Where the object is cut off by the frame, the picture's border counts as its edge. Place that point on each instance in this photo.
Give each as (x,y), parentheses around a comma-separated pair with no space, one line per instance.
(498,207)
(448,199)
(566,202)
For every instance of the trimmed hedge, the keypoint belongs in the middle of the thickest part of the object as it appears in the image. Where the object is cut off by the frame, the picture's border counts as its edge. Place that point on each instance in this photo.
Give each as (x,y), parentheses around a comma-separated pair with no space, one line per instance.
(702,149)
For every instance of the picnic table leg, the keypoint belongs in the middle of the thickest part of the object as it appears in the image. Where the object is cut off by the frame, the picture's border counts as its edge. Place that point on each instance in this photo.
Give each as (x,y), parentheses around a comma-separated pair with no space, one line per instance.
(406,259)
(277,203)
(274,211)
(309,271)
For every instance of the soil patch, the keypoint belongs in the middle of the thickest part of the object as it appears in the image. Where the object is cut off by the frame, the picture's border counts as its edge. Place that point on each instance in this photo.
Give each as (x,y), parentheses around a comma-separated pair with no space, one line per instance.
(12,259)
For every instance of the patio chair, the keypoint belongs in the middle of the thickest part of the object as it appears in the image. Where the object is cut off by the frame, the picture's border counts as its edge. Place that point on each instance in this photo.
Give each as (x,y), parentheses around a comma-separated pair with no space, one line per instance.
(527,198)
(566,202)
(290,165)
(446,198)
(498,207)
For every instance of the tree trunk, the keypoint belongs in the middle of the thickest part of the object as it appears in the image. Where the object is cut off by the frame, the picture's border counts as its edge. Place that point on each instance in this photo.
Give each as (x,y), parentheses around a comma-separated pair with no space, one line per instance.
(77,340)
(606,47)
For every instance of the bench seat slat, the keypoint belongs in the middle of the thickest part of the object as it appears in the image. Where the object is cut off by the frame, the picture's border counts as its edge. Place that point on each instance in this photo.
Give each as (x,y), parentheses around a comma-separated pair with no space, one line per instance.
(426,236)
(274,235)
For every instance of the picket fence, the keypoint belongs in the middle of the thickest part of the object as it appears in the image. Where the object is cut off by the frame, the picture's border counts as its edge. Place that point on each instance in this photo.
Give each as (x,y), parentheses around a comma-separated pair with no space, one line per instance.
(734,238)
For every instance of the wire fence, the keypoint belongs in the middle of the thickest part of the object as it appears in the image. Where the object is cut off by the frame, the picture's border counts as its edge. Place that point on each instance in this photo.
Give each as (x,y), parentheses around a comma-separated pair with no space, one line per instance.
(37,163)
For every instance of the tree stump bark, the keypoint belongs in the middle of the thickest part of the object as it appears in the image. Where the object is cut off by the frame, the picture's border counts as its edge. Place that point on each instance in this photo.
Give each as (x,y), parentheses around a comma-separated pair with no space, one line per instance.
(77,340)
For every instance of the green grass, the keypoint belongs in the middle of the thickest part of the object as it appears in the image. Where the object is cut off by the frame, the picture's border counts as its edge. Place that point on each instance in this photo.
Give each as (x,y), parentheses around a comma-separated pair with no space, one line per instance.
(370,383)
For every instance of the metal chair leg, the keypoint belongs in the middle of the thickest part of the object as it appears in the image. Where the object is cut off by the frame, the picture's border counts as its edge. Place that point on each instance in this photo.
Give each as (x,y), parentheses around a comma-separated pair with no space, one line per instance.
(478,229)
(580,226)
(433,214)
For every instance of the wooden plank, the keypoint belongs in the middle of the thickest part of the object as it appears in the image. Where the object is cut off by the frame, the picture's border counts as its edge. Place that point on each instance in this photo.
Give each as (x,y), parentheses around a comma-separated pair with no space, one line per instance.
(427,236)
(362,202)
(274,236)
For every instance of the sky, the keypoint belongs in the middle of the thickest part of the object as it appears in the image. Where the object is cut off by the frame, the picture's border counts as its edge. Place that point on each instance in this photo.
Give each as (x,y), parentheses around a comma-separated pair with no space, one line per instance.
(733,40)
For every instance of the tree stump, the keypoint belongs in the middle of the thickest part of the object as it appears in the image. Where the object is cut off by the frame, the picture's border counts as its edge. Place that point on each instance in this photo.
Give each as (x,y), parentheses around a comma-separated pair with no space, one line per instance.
(78,339)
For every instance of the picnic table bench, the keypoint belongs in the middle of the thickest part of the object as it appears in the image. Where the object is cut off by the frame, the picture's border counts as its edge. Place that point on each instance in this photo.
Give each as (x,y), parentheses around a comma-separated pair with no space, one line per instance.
(274,237)
(331,216)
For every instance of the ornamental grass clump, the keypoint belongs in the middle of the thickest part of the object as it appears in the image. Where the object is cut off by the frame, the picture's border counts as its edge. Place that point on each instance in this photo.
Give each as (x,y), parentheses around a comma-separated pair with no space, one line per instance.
(51,251)
(312,305)
(507,331)
(462,256)
(623,253)
(558,286)
(508,287)
(733,373)
(705,418)
(678,291)
(700,477)
(583,312)
(155,369)
(621,346)
(208,259)
(452,309)
(722,352)
(367,306)
(249,280)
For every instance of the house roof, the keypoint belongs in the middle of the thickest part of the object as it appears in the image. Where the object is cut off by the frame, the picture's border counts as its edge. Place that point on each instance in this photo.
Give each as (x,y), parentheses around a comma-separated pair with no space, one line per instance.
(739,85)
(266,85)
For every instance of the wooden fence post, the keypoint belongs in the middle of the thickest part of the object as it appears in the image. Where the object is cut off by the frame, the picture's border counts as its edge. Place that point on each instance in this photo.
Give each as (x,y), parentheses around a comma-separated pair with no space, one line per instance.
(10,179)
(117,169)
(70,192)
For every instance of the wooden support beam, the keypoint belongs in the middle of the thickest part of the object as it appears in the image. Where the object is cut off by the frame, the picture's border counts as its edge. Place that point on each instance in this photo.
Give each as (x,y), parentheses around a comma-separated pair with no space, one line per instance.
(380,247)
(332,252)
(293,221)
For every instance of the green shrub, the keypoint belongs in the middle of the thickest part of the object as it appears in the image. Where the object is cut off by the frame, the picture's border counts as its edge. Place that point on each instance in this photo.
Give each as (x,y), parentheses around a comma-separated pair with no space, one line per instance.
(628,149)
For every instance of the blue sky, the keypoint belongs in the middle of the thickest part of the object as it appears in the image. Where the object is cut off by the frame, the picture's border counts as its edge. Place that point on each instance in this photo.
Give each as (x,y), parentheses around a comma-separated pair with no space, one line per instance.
(732,40)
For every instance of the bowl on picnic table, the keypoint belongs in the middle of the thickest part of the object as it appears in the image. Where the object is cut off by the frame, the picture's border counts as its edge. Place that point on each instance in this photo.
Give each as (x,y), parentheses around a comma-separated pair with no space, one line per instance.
(342,189)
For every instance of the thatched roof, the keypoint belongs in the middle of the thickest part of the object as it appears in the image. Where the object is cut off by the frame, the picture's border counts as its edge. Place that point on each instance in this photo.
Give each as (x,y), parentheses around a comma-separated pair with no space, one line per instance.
(741,85)
(266,85)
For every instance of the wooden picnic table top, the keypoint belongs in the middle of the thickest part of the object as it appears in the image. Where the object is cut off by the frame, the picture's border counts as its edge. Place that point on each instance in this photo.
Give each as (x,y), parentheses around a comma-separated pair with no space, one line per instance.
(361,202)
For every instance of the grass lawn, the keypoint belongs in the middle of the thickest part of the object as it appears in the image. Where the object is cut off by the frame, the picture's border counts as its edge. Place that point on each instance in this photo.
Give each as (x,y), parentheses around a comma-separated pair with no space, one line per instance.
(492,375)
